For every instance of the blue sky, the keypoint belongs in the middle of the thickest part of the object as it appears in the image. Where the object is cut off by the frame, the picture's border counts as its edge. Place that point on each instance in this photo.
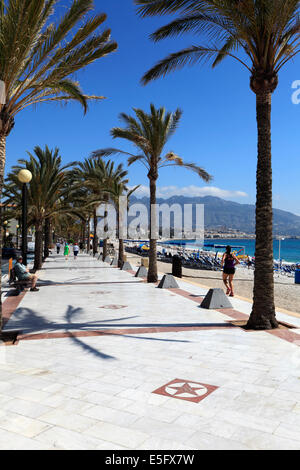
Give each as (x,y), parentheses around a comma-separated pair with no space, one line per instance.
(217,130)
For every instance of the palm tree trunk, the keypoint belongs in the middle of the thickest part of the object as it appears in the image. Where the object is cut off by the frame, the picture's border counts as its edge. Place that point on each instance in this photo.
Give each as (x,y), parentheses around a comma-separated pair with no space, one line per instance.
(263,310)
(89,236)
(152,271)
(121,253)
(104,253)
(95,239)
(83,228)
(105,239)
(46,238)
(1,238)
(2,159)
(121,241)
(38,247)
(2,167)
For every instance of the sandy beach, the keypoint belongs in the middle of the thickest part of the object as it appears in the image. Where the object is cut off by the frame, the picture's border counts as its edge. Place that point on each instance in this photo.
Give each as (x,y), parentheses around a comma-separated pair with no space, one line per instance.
(287,293)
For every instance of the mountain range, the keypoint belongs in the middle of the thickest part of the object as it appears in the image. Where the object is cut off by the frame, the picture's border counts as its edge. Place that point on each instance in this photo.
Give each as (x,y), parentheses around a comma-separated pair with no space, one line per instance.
(220,213)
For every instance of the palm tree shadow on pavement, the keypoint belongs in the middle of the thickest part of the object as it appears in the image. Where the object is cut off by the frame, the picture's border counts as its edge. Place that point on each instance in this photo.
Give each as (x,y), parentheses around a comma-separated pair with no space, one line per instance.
(89,349)
(77,281)
(30,322)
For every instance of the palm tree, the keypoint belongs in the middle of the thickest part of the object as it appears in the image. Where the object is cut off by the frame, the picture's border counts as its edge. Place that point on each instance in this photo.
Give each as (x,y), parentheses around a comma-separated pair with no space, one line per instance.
(118,190)
(89,175)
(81,202)
(49,191)
(96,179)
(267,33)
(38,57)
(68,225)
(113,176)
(150,133)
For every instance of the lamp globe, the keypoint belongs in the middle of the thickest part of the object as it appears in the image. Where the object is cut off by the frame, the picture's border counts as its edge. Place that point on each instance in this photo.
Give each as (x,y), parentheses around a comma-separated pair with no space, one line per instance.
(24,176)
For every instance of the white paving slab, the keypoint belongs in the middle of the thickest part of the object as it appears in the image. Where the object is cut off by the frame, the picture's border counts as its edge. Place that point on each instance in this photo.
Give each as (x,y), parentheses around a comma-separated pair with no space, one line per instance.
(95,392)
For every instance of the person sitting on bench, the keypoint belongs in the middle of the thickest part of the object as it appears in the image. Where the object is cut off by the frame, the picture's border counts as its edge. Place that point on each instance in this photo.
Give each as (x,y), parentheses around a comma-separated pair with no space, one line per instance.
(23,274)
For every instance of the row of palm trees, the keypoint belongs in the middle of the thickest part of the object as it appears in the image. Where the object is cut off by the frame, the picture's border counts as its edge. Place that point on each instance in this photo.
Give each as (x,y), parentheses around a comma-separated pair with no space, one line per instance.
(40,51)
(100,182)
(149,132)
(39,56)
(59,194)
(37,59)
(76,189)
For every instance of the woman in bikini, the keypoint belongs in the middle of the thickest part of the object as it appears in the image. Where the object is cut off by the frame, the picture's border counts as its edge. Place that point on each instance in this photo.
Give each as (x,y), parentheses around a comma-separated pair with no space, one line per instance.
(229,261)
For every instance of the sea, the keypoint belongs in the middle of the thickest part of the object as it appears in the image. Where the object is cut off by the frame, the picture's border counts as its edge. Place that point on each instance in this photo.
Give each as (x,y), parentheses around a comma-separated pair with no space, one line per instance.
(289,247)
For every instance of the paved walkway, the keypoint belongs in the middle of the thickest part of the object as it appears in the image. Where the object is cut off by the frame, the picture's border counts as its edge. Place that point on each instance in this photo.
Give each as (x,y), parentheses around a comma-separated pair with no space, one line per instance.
(105,361)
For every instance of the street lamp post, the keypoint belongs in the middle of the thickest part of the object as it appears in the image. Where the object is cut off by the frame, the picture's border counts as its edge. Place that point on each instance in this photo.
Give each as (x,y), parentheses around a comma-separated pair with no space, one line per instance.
(279,251)
(17,235)
(4,232)
(24,176)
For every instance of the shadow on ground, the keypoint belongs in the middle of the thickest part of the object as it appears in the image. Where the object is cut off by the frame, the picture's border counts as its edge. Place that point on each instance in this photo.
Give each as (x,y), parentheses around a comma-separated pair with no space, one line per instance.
(30,322)
(75,282)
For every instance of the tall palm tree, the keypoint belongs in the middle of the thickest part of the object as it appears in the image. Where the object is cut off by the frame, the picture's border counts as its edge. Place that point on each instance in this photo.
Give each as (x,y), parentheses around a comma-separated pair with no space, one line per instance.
(38,57)
(150,132)
(82,201)
(89,175)
(118,190)
(49,191)
(69,224)
(113,176)
(97,178)
(266,32)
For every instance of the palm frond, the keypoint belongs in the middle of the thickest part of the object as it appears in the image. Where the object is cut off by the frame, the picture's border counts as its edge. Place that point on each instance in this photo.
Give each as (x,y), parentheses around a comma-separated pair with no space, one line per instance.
(108,152)
(269,39)
(189,56)
(163,7)
(150,132)
(39,56)
(171,159)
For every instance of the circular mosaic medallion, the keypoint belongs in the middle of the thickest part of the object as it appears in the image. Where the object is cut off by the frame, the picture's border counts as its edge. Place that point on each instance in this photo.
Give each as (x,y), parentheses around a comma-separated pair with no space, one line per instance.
(101,292)
(113,307)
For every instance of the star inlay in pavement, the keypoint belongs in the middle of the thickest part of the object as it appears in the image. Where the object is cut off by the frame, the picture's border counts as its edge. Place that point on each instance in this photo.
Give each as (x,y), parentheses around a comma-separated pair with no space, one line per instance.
(186,390)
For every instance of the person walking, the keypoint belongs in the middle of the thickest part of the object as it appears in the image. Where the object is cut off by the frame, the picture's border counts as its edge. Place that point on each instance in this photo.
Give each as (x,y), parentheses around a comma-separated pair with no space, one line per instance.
(229,261)
(66,251)
(58,247)
(75,250)
(249,262)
